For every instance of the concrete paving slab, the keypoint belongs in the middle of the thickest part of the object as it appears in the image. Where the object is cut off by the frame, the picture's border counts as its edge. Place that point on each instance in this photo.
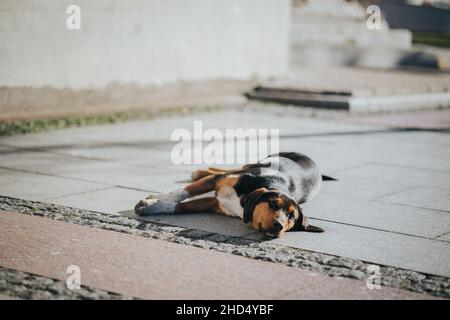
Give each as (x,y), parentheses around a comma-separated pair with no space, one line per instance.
(378,215)
(154,269)
(436,119)
(40,187)
(112,200)
(375,246)
(431,198)
(414,149)
(38,161)
(321,152)
(361,189)
(122,175)
(392,174)
(105,172)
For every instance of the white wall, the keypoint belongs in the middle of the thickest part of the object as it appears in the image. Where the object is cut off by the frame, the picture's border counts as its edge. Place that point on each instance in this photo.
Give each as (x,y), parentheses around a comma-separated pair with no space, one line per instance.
(145,42)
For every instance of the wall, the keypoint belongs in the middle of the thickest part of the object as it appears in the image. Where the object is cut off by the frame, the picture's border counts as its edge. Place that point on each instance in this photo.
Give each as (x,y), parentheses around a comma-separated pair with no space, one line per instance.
(142,42)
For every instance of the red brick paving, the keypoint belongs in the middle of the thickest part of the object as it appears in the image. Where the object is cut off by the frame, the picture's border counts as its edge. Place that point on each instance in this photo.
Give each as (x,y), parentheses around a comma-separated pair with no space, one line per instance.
(154,269)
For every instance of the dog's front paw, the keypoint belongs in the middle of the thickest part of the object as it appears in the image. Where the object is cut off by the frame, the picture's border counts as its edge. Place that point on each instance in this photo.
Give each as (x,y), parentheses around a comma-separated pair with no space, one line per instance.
(154,206)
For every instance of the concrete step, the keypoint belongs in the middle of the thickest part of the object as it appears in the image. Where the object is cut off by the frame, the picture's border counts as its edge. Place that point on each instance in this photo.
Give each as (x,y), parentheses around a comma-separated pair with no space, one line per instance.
(356,104)
(330,9)
(335,33)
(373,56)
(347,32)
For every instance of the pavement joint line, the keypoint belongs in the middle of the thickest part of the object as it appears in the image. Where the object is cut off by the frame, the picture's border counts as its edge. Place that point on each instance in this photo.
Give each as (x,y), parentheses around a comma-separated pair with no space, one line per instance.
(386,165)
(54,175)
(75,179)
(417,207)
(71,156)
(408,167)
(379,198)
(252,249)
(442,235)
(377,229)
(76,194)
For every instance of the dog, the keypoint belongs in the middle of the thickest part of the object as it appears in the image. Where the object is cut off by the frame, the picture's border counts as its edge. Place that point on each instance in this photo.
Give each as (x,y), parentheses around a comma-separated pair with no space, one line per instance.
(267,194)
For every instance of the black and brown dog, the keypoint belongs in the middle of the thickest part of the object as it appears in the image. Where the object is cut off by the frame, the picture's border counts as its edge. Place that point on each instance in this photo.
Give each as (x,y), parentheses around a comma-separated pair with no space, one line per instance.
(267,194)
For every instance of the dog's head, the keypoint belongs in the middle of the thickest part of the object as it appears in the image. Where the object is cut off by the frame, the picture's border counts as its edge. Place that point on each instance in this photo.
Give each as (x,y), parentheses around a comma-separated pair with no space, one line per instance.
(275,213)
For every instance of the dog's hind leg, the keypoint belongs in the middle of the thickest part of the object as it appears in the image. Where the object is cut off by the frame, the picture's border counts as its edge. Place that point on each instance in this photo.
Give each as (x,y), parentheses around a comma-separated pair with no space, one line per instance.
(199,174)
(209,204)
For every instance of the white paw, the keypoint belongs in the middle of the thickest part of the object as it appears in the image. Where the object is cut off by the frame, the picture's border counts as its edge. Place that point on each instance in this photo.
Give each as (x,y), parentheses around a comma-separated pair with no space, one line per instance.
(154,206)
(174,196)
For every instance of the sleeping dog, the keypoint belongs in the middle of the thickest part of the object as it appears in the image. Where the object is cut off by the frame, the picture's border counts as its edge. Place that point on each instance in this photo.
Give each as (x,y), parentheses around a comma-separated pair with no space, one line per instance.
(267,194)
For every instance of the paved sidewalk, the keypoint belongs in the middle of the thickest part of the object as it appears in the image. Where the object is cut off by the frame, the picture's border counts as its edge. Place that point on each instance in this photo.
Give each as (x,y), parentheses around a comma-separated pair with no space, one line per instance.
(390,206)
(154,269)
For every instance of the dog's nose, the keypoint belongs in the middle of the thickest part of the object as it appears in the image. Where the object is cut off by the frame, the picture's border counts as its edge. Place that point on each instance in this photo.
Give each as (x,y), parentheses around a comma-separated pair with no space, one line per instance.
(277,226)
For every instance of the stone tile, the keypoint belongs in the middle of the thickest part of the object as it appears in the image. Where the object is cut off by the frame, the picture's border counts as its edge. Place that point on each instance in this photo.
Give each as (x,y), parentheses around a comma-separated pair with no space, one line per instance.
(407,149)
(154,269)
(361,188)
(431,198)
(135,174)
(128,176)
(106,172)
(393,174)
(378,215)
(328,157)
(379,247)
(41,187)
(111,200)
(38,161)
(139,156)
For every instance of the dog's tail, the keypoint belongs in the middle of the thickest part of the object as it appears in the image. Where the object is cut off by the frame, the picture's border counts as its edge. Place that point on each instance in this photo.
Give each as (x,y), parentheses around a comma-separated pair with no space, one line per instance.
(327,178)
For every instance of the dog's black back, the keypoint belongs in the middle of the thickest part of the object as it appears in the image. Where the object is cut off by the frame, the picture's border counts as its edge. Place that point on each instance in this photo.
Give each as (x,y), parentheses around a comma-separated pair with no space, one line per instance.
(289,172)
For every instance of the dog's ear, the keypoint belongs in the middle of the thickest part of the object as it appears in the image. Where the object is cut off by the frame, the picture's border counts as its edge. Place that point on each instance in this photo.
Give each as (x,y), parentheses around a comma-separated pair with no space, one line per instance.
(302,224)
(250,203)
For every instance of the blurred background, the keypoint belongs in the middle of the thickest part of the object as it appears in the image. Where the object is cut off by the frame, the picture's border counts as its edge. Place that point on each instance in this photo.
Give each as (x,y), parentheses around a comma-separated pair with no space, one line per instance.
(134,57)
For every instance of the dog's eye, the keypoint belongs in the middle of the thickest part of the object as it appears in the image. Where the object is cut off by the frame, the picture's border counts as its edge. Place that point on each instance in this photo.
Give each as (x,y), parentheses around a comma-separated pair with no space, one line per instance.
(291,215)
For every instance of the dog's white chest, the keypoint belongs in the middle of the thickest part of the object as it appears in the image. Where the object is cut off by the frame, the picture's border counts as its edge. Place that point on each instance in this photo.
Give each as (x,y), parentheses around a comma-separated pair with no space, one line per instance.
(229,202)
